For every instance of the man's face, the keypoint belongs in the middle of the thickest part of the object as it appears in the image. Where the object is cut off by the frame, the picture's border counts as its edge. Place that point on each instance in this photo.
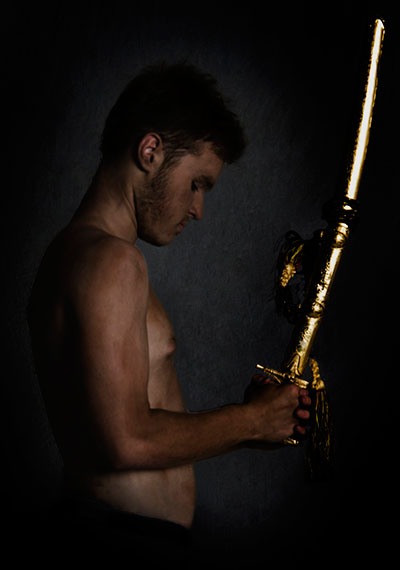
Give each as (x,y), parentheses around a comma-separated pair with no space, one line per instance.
(175,195)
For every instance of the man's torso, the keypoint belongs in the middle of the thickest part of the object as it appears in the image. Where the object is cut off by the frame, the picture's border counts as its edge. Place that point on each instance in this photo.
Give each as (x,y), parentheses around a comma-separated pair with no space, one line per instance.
(166,494)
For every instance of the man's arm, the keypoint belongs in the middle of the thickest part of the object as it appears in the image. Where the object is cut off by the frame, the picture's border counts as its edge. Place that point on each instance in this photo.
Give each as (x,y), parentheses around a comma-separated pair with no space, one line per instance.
(110,297)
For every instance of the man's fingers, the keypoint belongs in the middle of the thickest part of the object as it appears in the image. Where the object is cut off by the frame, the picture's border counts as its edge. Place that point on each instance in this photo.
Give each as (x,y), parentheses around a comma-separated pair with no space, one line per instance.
(302,414)
(300,430)
(305,400)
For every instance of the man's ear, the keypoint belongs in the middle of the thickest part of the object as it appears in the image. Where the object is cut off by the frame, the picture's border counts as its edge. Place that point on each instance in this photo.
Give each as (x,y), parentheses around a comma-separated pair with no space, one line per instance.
(150,152)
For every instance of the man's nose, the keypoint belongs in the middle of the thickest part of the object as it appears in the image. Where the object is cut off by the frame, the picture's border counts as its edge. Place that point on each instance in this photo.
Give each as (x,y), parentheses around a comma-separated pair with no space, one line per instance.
(197,208)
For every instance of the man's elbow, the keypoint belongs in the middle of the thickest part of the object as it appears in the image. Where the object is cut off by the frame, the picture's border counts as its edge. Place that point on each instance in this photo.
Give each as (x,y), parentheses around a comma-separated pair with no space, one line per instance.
(125,456)
(140,448)
(137,455)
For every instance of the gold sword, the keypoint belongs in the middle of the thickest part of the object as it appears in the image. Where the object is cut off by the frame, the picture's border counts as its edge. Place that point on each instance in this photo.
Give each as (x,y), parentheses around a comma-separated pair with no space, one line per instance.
(332,241)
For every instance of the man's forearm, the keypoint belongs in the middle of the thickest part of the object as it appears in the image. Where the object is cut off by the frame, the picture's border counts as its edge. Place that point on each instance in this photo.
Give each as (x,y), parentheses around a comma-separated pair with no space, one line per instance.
(169,439)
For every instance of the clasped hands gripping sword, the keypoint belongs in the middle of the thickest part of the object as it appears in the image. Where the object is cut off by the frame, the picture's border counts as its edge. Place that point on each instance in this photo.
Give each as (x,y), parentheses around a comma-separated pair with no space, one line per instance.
(326,249)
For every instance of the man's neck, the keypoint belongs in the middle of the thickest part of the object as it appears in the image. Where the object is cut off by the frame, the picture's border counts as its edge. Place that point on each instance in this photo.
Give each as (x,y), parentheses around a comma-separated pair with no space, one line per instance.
(109,203)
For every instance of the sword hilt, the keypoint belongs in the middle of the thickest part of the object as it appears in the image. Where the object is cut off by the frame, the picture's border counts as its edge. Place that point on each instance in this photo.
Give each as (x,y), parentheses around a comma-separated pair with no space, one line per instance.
(284,378)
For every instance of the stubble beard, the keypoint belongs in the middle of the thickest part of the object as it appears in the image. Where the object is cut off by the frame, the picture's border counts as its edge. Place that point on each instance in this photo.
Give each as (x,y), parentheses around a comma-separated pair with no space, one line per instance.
(150,207)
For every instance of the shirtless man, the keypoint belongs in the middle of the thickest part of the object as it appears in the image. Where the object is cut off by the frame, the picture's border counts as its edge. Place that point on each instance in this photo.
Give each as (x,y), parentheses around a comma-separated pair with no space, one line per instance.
(103,343)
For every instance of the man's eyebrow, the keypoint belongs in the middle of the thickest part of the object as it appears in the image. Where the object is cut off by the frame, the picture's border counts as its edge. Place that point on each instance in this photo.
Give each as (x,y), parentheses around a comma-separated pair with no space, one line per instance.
(205,181)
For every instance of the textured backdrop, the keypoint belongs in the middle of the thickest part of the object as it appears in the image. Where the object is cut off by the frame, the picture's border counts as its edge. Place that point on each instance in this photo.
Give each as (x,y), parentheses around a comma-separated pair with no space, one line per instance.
(291,75)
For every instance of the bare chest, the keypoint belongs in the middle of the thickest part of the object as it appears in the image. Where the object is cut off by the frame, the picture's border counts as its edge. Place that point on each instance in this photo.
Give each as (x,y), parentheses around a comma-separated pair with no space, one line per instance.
(160,333)
(163,387)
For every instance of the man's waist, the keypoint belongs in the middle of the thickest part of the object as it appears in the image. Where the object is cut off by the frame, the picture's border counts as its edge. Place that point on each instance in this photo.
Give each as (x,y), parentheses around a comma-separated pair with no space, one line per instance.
(91,512)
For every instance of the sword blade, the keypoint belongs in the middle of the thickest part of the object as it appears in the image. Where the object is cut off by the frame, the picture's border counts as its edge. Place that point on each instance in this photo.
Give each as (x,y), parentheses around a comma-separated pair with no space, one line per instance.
(362,138)
(336,234)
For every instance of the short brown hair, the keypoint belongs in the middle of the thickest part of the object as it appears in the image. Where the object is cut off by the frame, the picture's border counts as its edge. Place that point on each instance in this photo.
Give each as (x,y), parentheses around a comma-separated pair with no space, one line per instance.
(180,103)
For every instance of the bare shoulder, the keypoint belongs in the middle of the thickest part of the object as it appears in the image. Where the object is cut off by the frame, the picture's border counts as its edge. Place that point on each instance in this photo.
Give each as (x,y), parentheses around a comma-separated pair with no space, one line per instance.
(100,264)
(111,255)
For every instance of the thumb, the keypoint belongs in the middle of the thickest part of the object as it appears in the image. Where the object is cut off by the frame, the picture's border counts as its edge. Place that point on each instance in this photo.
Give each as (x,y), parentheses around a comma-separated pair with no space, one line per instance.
(260,379)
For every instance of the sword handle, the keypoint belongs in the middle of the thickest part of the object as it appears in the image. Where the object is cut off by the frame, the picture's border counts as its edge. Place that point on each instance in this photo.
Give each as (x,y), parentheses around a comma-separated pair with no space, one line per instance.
(283,378)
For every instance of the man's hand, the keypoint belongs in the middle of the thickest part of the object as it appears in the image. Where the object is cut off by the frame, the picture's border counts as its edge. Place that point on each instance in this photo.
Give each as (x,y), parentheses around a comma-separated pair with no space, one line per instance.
(280,411)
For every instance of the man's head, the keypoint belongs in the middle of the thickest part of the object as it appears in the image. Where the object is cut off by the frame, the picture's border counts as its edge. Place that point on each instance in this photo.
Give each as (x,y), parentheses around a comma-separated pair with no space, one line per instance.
(178,131)
(182,105)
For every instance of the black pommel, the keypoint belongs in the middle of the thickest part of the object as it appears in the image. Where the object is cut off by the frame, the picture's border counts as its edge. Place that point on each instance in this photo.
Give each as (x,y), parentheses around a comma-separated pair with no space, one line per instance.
(341,210)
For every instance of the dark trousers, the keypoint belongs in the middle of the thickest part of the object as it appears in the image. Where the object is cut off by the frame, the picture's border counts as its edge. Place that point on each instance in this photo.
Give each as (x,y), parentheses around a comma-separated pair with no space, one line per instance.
(90,531)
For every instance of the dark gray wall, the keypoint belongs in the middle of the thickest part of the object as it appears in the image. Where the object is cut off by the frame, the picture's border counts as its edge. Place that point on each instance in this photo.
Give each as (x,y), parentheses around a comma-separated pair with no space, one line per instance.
(291,74)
